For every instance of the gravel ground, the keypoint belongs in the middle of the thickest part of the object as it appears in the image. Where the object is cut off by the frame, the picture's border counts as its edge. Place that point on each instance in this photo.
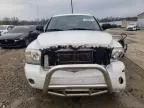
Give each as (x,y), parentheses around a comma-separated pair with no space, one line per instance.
(16,93)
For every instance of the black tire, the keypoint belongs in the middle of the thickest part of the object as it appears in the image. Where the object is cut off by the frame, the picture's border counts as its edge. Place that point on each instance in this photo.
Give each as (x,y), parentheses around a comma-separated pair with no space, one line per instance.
(27,42)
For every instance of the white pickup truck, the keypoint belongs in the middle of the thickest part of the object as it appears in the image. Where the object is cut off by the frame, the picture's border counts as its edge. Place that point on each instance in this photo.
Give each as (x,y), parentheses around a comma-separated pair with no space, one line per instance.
(75,57)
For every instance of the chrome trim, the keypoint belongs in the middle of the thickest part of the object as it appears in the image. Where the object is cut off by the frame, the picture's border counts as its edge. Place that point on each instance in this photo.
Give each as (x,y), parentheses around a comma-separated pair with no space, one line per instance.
(77,86)
(77,66)
(81,94)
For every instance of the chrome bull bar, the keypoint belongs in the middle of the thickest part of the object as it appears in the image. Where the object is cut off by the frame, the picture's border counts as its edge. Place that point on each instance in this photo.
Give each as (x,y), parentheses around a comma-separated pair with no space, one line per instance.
(51,71)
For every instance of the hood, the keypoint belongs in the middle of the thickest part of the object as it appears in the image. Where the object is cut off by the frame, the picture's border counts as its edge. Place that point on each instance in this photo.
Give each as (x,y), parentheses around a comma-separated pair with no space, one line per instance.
(74,38)
(11,35)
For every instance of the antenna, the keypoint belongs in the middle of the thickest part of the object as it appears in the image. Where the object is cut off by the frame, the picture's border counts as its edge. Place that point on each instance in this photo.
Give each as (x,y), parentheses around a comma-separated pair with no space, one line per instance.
(37,11)
(72,6)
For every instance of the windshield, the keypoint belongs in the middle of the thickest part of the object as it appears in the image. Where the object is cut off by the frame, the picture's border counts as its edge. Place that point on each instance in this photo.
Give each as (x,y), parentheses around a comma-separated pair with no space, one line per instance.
(3,27)
(20,30)
(75,22)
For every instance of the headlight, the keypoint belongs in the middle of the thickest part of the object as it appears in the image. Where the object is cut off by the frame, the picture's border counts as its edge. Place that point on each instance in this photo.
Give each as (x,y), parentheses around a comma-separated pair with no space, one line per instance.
(33,57)
(117,53)
(16,40)
(19,39)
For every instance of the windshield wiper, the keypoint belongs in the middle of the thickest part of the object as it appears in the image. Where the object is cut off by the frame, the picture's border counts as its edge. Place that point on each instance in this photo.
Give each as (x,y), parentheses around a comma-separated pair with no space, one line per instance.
(80,29)
(55,30)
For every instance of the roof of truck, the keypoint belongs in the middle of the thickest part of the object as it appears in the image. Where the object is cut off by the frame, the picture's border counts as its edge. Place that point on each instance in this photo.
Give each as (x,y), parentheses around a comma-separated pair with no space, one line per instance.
(71,15)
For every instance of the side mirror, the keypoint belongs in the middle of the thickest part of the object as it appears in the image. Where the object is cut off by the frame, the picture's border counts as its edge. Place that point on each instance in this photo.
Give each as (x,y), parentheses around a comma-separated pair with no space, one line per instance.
(106,26)
(40,28)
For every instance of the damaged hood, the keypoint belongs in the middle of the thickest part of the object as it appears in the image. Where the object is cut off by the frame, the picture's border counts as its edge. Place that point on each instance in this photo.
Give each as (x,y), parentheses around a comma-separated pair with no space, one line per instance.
(74,38)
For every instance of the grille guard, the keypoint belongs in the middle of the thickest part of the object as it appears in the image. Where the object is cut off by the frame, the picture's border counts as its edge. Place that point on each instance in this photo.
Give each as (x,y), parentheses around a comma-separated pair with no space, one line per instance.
(51,71)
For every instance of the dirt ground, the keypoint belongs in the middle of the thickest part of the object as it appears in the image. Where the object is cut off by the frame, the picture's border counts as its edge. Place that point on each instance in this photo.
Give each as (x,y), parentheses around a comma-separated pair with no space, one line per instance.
(16,93)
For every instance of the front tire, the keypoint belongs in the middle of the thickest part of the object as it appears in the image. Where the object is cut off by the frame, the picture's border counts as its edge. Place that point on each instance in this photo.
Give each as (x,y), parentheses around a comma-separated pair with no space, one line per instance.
(27,42)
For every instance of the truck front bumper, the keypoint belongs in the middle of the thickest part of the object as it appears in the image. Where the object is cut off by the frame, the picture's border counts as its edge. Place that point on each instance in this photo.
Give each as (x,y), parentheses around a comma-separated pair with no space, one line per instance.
(112,79)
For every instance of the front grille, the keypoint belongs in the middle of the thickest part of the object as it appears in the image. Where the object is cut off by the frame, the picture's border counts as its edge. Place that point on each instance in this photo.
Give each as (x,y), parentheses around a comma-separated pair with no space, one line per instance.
(80,56)
(75,57)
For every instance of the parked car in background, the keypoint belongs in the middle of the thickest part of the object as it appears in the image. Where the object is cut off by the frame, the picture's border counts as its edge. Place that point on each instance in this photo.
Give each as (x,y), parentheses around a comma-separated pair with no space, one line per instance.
(109,26)
(19,36)
(133,27)
(5,28)
(75,57)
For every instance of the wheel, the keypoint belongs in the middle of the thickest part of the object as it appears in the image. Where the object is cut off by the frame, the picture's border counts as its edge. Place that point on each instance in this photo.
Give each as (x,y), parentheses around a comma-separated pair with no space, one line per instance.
(27,42)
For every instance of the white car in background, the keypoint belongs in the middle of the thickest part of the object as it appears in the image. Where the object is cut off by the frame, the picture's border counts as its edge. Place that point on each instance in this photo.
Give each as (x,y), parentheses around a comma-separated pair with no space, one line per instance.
(75,57)
(132,27)
(5,28)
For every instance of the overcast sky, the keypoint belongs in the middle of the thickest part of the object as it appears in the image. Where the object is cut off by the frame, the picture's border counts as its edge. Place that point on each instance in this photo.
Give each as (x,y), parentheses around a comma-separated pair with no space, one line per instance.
(32,9)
